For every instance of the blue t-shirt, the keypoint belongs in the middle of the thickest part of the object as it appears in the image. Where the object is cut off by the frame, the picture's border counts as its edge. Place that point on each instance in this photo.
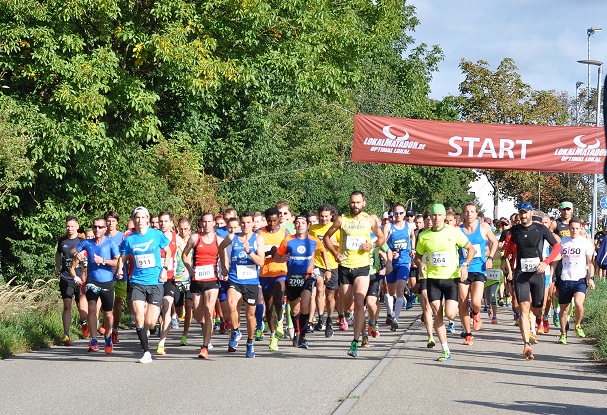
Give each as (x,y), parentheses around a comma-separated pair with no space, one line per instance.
(222,231)
(145,250)
(301,253)
(106,249)
(243,270)
(118,239)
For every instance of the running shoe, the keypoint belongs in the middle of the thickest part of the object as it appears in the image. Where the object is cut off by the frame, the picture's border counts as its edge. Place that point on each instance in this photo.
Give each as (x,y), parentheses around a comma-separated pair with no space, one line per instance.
(233,343)
(546,326)
(302,343)
(273,343)
(444,357)
(490,313)
(477,322)
(147,358)
(222,327)
(319,325)
(486,308)
(469,341)
(528,353)
(309,328)
(66,340)
(109,346)
(394,325)
(115,337)
(556,319)
(451,327)
(290,332)
(86,332)
(204,353)
(250,350)
(93,346)
(343,324)
(258,335)
(209,346)
(280,330)
(463,334)
(365,342)
(353,352)
(374,330)
(349,319)
(494,320)
(181,317)
(160,350)
(295,340)
(412,299)
(540,327)
(430,343)
(532,339)
(174,322)
(184,340)
(562,338)
(409,304)
(329,331)
(389,320)
(500,302)
(579,331)
(517,321)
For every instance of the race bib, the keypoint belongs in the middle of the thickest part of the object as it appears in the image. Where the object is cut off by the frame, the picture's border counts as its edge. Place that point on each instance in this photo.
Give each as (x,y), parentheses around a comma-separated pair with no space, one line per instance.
(145,261)
(529,264)
(246,272)
(183,286)
(477,250)
(204,272)
(400,244)
(439,259)
(493,274)
(355,243)
(296,281)
(93,288)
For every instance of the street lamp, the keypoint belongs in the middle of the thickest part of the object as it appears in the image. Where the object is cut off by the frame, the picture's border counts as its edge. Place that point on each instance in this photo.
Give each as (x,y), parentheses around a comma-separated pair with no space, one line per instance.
(598,111)
(577,102)
(591,31)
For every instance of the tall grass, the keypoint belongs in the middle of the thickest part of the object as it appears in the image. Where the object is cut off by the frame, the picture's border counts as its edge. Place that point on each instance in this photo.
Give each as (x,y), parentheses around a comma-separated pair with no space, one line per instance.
(595,319)
(30,316)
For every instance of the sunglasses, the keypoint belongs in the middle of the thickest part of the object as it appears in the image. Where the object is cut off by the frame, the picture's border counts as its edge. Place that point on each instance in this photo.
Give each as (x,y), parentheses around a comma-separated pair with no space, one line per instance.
(399,213)
(98,227)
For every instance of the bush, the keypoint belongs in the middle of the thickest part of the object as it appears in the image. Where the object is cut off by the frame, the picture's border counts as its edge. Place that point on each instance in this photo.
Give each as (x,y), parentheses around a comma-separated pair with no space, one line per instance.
(595,319)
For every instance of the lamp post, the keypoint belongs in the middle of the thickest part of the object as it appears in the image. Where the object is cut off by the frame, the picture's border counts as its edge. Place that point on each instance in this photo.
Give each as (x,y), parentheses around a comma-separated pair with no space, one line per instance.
(577,102)
(591,31)
(598,111)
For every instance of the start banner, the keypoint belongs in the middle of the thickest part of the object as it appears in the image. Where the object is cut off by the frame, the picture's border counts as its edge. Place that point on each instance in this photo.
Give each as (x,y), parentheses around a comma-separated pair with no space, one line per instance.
(478,146)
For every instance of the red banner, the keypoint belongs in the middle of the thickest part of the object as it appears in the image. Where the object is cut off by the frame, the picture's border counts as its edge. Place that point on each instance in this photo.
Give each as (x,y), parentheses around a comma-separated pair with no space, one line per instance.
(478,146)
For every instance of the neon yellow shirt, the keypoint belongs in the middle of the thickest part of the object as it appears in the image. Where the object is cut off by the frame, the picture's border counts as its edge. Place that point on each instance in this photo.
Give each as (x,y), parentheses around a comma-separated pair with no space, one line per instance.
(319,231)
(354,233)
(441,247)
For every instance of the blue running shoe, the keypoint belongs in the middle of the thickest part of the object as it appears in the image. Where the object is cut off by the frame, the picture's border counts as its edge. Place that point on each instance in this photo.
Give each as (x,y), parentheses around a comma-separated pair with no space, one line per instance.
(451,327)
(233,343)
(250,350)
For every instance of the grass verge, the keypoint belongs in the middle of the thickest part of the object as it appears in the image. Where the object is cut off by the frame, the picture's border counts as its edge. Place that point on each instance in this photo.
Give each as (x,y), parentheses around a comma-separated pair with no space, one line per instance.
(595,319)
(30,317)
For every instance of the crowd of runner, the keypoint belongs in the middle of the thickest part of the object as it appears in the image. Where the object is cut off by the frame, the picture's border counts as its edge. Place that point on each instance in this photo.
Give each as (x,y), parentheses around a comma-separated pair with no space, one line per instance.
(289,271)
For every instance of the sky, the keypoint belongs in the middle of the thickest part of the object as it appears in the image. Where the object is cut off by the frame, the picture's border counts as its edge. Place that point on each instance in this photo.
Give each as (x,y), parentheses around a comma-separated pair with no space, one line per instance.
(545,39)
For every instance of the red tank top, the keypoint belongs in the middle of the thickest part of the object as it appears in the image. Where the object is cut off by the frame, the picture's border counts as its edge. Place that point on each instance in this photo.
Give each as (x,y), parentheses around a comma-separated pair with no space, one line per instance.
(205,260)
(173,246)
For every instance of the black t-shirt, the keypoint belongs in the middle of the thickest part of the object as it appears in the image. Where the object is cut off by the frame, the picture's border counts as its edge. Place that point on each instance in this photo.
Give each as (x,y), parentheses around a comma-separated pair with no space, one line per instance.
(64,246)
(530,243)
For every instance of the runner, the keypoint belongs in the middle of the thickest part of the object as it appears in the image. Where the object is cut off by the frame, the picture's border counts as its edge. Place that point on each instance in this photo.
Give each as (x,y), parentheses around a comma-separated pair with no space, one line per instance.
(203,272)
(70,286)
(286,216)
(165,220)
(577,253)
(102,255)
(377,272)
(325,290)
(241,269)
(421,286)
(528,239)
(273,275)
(183,295)
(443,270)
(149,274)
(354,258)
(401,240)
(480,235)
(298,252)
(112,219)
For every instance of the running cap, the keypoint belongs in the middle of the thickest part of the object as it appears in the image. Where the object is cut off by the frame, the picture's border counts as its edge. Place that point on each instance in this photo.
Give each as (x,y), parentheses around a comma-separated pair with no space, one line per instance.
(385,216)
(410,214)
(140,209)
(438,208)
(526,206)
(565,205)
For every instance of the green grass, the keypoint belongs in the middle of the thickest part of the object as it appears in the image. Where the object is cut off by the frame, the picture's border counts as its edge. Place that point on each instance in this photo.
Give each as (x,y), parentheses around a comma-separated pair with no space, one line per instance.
(595,319)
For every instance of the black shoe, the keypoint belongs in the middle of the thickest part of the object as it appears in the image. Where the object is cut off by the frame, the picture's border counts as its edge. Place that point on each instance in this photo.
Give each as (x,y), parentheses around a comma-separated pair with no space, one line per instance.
(309,328)
(296,340)
(329,331)
(319,326)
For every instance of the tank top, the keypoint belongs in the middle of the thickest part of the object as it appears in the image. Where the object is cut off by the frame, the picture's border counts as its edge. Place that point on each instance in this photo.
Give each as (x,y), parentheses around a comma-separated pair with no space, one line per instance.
(562,229)
(354,233)
(271,268)
(205,260)
(479,262)
(399,240)
(173,246)
(243,270)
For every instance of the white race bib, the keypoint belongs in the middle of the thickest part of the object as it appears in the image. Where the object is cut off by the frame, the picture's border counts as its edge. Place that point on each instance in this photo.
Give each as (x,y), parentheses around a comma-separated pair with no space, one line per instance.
(477,250)
(246,272)
(493,274)
(204,272)
(439,259)
(296,280)
(145,261)
(355,243)
(529,264)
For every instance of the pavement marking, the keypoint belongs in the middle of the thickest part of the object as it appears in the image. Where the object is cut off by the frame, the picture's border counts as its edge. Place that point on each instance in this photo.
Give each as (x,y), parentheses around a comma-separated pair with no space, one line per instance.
(347,404)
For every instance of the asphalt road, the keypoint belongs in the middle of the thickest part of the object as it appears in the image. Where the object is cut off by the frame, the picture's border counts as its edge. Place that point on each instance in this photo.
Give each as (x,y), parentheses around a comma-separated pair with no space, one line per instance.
(396,375)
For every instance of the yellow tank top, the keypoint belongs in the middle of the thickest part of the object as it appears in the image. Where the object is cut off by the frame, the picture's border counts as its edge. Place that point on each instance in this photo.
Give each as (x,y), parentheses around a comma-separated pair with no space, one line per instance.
(319,231)
(354,233)
(270,267)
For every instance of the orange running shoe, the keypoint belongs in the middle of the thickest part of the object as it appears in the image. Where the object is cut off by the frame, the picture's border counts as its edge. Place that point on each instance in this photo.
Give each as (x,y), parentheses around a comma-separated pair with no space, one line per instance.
(115,338)
(86,333)
(477,322)
(528,353)
(204,353)
(469,341)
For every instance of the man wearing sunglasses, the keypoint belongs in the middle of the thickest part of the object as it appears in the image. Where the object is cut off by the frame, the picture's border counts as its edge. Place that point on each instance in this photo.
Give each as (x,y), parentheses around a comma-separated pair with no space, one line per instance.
(561,228)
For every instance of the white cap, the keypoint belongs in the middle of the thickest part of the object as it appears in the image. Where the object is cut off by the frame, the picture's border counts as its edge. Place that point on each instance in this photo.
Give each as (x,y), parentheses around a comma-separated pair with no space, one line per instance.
(140,209)
(385,215)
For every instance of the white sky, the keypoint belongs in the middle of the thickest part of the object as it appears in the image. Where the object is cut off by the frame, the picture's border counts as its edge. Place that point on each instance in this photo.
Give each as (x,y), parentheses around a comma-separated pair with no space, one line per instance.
(545,38)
